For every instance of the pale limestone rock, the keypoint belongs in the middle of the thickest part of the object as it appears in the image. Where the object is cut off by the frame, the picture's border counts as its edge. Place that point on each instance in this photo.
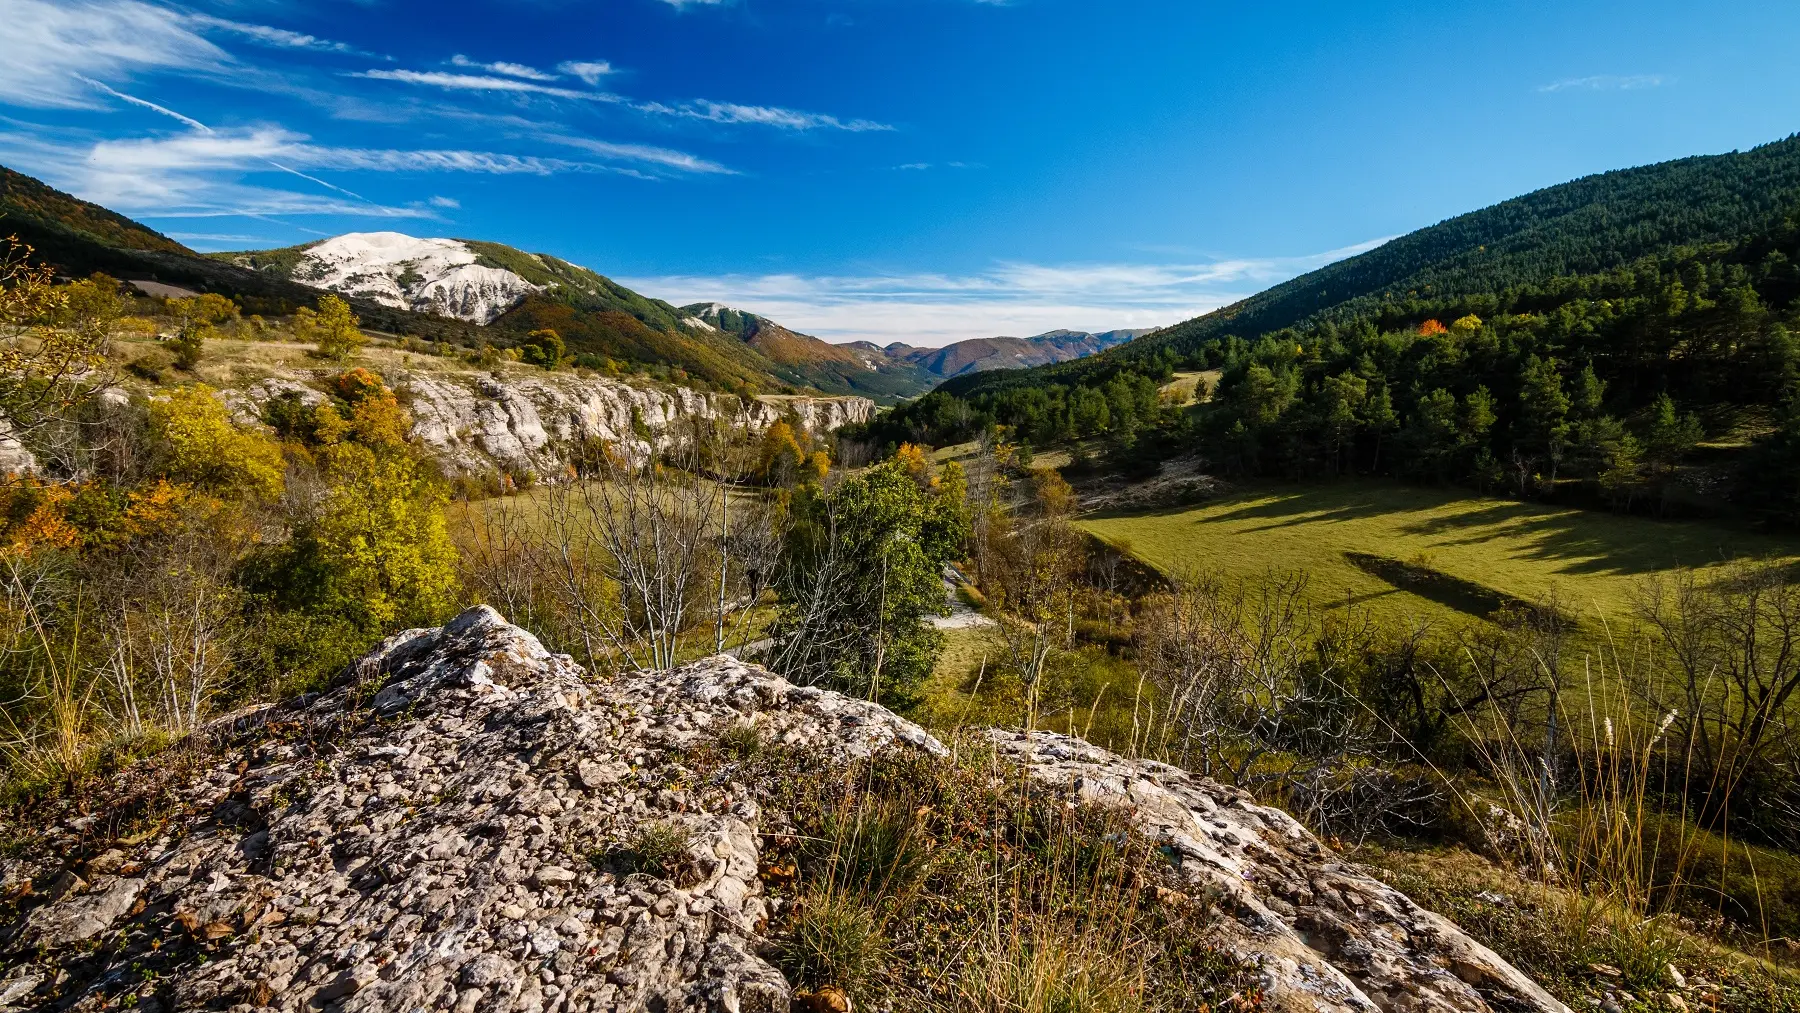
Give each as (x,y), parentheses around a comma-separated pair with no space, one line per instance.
(1333,939)
(444,856)
(475,423)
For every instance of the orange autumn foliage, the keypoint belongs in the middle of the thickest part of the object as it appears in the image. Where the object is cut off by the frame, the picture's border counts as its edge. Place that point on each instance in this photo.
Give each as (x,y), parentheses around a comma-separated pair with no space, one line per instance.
(1432,327)
(37,516)
(42,524)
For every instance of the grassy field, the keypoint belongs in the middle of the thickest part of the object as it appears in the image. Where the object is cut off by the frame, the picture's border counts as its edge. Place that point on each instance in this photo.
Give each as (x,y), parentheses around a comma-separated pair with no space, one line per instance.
(1187,385)
(1594,562)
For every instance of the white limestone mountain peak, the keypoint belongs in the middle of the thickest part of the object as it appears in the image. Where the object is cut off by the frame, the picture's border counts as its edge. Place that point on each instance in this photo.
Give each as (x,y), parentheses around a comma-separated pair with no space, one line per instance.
(438,276)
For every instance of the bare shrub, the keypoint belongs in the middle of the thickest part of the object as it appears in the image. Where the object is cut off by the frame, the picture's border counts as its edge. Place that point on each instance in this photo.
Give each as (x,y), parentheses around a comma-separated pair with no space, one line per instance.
(1733,650)
(625,561)
(1033,580)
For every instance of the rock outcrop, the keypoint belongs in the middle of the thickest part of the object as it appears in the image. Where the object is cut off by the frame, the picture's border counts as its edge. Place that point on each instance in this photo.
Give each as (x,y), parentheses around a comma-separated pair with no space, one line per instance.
(431,835)
(1329,936)
(475,423)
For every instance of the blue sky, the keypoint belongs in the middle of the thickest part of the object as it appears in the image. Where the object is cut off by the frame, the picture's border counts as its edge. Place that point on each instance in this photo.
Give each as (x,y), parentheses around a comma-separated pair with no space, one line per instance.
(917,170)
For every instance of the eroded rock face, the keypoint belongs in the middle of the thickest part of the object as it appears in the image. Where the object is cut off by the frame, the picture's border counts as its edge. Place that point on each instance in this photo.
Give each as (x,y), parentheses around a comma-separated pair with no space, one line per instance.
(15,459)
(435,835)
(475,424)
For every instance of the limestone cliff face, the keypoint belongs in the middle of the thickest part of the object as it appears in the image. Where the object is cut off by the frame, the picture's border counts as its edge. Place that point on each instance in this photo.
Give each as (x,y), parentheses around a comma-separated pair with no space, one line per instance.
(421,838)
(475,423)
(482,423)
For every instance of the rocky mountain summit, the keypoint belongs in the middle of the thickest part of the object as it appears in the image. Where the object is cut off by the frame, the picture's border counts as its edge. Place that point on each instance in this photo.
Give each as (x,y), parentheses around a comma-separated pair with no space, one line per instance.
(438,276)
(429,834)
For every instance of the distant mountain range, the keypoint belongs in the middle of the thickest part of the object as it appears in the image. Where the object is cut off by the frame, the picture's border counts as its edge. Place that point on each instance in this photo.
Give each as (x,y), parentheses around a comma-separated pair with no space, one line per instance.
(509,290)
(978,354)
(899,367)
(468,291)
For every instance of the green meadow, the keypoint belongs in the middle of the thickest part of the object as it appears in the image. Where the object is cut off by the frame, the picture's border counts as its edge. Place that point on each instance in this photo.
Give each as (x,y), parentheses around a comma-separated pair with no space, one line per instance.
(1593,562)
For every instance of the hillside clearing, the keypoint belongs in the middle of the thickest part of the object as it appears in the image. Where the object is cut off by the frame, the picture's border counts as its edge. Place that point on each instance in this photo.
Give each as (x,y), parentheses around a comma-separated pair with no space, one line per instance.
(1594,562)
(1185,386)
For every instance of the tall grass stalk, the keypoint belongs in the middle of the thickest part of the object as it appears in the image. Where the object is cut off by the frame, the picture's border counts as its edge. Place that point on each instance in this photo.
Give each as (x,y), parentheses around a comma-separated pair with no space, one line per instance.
(1586,816)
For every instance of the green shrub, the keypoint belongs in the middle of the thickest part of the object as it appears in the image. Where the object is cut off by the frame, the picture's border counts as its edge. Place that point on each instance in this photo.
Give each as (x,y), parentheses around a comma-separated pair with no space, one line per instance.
(151,366)
(833,940)
(543,348)
(742,740)
(658,849)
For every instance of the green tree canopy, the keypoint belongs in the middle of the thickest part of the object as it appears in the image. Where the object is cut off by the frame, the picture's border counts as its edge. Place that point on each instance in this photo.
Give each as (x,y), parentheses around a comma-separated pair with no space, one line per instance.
(862,569)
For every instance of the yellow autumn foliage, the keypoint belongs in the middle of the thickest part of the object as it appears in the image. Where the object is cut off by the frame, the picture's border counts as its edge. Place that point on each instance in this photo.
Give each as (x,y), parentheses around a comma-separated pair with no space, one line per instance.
(201,446)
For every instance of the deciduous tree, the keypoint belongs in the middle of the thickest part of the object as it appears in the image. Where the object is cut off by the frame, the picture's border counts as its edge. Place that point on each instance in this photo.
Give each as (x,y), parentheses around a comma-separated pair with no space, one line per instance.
(333,329)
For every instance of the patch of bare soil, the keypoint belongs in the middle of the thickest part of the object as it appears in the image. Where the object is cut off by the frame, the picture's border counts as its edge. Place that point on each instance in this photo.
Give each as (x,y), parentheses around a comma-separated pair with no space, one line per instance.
(1183,481)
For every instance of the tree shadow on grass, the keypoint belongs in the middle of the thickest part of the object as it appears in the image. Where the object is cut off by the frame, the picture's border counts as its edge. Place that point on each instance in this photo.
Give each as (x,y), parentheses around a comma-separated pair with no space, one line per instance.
(1324,505)
(1574,541)
(1584,543)
(1465,596)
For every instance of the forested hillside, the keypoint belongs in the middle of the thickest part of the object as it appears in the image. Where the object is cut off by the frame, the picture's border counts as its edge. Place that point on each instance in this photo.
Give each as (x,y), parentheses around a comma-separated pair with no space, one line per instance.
(1591,225)
(1586,339)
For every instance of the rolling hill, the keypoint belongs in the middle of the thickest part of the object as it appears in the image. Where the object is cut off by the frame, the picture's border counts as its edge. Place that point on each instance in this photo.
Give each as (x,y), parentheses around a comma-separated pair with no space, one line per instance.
(898,368)
(461,291)
(1625,341)
(80,238)
(804,359)
(509,293)
(470,291)
(1591,225)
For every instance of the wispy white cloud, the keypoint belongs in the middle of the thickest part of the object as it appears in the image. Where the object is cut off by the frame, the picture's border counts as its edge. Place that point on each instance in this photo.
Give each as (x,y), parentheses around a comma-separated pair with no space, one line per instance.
(450,203)
(768,116)
(250,149)
(1012,298)
(591,71)
(270,36)
(643,153)
(519,70)
(209,173)
(209,183)
(698,109)
(1607,82)
(218,237)
(51,48)
(103,55)
(684,4)
(188,121)
(482,83)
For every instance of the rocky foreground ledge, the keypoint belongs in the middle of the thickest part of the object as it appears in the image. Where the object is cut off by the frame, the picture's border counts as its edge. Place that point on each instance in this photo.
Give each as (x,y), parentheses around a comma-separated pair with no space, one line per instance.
(421,837)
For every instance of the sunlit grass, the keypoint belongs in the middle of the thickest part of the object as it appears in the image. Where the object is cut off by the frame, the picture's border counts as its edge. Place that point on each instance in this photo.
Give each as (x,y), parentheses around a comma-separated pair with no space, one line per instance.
(1593,561)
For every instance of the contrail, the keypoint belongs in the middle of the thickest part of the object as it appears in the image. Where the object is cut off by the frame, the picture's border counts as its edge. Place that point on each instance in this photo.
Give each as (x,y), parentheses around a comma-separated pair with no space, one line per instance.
(203,128)
(134,100)
(315,179)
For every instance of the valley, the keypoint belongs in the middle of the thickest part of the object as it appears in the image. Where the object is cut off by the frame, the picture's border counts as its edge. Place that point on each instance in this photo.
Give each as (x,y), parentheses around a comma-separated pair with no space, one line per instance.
(397,621)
